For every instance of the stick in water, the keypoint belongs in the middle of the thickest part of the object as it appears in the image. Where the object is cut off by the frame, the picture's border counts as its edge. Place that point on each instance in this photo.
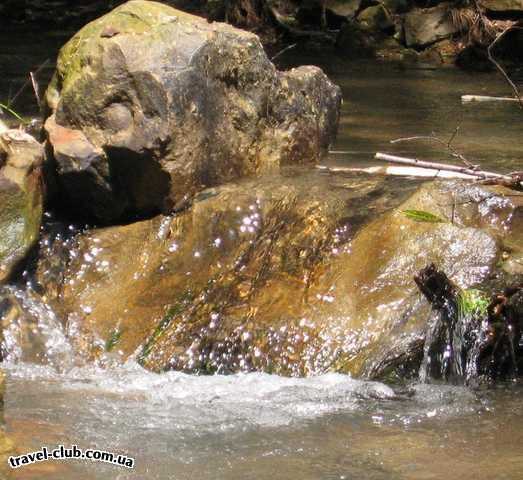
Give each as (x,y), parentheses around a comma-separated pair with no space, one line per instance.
(440,166)
(485,98)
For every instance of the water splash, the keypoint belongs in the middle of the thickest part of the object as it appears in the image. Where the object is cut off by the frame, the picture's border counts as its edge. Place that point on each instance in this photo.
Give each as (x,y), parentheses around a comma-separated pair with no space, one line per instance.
(32,332)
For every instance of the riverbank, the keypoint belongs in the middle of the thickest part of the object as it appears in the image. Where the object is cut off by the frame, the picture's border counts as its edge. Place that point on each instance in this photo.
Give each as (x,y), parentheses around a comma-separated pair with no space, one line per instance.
(413,32)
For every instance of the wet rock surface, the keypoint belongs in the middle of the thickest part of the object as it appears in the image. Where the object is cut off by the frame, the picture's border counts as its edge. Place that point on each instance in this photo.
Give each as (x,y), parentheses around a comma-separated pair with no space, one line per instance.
(21,197)
(244,253)
(268,275)
(151,105)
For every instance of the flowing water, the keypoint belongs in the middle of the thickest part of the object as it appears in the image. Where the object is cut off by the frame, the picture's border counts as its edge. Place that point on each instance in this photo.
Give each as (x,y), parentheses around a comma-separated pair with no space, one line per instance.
(257,426)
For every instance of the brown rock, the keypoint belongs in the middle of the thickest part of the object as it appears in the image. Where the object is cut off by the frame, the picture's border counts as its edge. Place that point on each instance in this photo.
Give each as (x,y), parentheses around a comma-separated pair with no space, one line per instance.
(173,104)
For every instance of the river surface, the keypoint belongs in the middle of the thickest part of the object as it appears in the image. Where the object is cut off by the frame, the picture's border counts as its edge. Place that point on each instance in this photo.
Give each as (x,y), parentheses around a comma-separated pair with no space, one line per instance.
(258,426)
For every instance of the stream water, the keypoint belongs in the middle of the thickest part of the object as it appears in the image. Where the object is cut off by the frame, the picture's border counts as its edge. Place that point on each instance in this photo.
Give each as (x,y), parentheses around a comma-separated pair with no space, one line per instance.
(258,426)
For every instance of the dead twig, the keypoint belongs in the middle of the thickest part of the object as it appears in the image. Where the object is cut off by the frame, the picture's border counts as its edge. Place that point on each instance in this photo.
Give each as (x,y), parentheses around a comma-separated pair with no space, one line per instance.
(27,82)
(438,166)
(36,90)
(281,52)
(487,99)
(447,144)
(499,67)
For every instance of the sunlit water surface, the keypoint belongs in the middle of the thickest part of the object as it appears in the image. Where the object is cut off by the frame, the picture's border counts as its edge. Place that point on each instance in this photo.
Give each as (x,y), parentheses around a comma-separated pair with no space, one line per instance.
(258,426)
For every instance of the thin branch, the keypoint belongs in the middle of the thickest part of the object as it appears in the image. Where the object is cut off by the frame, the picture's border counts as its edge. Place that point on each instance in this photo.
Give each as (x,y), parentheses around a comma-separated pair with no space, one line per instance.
(26,83)
(36,89)
(281,52)
(499,67)
(453,136)
(448,145)
(485,98)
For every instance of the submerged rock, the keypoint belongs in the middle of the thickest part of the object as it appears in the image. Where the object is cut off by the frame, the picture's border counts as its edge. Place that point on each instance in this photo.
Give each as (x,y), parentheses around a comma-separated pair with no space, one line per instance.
(268,275)
(151,105)
(21,197)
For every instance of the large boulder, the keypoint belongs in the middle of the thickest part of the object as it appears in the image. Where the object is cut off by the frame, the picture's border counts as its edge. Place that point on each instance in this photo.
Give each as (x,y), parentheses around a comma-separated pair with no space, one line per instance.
(268,275)
(150,105)
(21,197)
(426,26)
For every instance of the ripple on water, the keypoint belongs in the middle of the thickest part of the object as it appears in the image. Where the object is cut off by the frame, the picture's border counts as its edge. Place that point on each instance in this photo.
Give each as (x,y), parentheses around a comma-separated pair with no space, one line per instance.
(249,426)
(234,401)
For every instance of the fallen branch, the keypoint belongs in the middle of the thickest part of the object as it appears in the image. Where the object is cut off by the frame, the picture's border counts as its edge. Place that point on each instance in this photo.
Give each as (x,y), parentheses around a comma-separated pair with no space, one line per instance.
(399,171)
(486,98)
(441,166)
(27,82)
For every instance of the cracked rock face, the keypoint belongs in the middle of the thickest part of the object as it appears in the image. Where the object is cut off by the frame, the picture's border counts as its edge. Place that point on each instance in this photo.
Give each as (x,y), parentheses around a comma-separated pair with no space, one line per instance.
(150,105)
